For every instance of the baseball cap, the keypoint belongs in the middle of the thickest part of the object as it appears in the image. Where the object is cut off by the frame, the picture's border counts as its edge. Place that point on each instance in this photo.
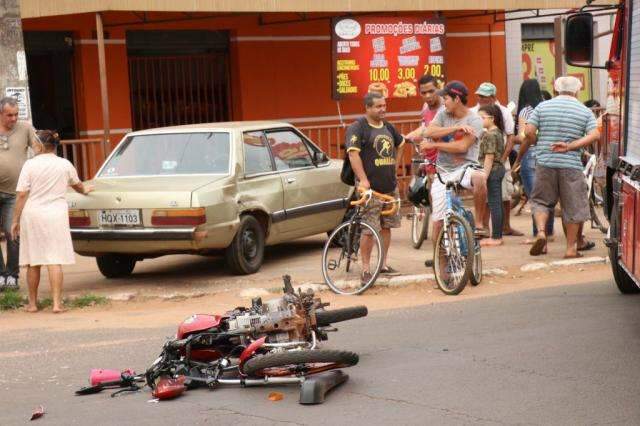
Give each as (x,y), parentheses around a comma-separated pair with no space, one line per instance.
(487,89)
(455,88)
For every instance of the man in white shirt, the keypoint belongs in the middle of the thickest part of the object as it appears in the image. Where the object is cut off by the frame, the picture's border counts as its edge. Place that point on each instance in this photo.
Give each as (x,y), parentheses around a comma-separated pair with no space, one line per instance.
(486,96)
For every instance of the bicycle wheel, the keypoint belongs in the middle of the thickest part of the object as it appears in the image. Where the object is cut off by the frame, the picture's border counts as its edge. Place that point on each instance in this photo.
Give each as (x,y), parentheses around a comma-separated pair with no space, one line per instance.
(342,267)
(453,259)
(476,276)
(419,225)
(298,362)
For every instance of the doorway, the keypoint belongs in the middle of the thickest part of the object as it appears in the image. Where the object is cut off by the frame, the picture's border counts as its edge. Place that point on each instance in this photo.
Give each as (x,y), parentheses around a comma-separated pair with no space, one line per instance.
(50,68)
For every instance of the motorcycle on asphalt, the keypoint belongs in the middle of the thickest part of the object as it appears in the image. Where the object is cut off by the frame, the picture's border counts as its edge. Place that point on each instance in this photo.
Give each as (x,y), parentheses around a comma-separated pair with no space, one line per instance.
(275,342)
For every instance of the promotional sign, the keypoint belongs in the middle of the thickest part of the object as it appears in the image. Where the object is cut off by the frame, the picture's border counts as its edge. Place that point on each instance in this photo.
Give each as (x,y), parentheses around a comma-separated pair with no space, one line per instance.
(538,61)
(386,55)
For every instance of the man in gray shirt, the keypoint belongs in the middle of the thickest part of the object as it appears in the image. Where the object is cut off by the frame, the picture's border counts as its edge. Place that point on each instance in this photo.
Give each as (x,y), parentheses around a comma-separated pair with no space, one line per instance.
(460,130)
(15,140)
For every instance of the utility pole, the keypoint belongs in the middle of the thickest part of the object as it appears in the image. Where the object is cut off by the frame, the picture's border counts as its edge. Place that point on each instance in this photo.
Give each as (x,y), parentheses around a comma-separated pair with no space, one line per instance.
(13,62)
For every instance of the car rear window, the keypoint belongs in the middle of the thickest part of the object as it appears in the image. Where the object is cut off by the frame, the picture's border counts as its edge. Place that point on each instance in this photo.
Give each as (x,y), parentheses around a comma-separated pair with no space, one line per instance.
(170,154)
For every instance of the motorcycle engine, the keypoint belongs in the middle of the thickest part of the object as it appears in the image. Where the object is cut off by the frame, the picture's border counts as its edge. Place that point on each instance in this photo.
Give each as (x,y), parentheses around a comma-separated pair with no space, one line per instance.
(276,318)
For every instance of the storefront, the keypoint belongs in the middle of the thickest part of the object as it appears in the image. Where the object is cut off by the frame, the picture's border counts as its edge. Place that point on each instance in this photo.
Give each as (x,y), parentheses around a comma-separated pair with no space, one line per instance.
(178,67)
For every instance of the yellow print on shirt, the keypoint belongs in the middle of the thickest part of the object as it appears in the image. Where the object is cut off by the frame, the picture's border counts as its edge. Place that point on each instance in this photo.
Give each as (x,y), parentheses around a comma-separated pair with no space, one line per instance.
(389,161)
(383,146)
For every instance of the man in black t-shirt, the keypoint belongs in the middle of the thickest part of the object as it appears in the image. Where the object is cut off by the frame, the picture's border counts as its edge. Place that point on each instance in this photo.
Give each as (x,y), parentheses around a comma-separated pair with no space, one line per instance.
(374,148)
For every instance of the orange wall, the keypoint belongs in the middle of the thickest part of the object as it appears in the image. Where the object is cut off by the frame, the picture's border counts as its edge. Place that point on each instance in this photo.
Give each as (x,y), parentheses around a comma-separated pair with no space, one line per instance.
(270,79)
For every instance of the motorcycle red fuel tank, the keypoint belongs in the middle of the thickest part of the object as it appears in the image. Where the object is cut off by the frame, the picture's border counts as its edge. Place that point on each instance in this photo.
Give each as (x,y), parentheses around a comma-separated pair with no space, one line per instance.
(196,323)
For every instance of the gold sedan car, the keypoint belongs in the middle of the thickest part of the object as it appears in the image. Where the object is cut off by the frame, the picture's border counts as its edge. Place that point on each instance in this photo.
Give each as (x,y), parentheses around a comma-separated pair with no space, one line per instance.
(204,189)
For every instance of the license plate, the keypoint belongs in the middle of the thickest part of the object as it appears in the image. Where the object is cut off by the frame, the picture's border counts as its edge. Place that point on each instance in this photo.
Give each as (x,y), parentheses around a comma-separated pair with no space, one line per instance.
(119,217)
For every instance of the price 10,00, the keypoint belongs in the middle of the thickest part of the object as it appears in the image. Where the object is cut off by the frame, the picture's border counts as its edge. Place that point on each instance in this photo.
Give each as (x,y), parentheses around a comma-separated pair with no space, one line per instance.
(379,74)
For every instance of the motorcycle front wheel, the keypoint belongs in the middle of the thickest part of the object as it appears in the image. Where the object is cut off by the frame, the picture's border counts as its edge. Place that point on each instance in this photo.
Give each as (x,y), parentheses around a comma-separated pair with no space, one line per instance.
(305,362)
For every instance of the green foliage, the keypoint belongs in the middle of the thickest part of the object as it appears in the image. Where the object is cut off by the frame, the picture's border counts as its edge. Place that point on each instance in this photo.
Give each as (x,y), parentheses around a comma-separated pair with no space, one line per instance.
(11,299)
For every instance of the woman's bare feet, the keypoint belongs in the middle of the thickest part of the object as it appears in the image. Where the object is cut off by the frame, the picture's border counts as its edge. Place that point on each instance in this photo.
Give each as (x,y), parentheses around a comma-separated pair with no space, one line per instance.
(490,242)
(58,310)
(31,308)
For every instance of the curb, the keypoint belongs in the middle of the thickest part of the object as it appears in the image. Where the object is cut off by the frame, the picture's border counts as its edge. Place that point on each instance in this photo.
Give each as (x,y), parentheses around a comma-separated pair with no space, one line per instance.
(399,281)
(536,266)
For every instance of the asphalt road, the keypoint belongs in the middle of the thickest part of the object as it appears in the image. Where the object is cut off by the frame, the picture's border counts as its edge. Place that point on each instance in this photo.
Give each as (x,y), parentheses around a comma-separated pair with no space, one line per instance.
(562,355)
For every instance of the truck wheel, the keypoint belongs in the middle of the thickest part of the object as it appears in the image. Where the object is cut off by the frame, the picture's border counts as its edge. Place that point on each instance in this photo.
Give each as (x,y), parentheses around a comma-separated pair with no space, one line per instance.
(246,252)
(116,265)
(625,283)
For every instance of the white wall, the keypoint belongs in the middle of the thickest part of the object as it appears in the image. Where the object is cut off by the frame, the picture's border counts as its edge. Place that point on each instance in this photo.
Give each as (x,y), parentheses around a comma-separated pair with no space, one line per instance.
(513,39)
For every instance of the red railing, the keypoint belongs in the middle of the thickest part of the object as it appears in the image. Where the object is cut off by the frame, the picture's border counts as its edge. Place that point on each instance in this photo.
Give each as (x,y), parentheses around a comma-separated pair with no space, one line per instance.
(85,154)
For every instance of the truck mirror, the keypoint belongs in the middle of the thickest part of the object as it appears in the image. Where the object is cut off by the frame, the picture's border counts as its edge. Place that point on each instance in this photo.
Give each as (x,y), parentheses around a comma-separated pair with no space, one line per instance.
(578,39)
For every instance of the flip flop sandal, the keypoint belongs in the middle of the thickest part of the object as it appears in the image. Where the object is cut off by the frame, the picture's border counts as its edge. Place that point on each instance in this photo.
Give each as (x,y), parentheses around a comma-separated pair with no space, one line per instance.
(389,271)
(538,247)
(588,246)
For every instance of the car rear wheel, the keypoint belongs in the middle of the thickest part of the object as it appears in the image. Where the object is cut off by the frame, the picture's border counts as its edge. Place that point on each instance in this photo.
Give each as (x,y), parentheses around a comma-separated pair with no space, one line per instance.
(246,252)
(116,265)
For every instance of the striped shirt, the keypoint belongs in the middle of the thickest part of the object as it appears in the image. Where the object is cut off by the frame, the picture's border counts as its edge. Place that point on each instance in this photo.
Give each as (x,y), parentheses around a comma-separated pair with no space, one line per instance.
(561,119)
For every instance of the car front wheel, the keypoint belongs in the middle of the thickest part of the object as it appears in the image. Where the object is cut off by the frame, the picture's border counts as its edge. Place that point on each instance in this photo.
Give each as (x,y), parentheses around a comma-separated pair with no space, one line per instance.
(116,265)
(246,252)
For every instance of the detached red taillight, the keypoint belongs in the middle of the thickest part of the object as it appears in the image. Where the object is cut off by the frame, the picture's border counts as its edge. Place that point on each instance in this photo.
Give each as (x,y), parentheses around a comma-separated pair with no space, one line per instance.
(179,217)
(79,218)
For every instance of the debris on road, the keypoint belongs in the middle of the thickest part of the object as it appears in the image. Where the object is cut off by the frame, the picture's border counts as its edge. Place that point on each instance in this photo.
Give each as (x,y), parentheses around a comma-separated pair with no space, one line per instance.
(276,396)
(37,413)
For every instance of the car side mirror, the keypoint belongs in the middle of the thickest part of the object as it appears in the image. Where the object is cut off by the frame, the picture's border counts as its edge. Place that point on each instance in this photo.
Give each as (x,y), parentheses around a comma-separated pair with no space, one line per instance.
(578,37)
(320,157)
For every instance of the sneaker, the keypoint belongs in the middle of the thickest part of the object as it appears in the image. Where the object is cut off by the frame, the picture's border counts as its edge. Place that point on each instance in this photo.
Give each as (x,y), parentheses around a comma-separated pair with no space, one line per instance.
(11,283)
(3,283)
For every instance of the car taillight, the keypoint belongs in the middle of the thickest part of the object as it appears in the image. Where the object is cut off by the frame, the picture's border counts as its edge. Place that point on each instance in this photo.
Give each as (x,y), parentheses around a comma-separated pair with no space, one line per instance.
(79,218)
(173,217)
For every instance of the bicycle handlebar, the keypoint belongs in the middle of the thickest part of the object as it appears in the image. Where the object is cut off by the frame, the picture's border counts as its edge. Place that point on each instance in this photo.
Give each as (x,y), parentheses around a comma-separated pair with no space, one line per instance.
(366,194)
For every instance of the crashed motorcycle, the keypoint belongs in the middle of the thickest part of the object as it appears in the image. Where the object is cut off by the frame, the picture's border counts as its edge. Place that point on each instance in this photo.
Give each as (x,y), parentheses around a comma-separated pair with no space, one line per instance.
(272,342)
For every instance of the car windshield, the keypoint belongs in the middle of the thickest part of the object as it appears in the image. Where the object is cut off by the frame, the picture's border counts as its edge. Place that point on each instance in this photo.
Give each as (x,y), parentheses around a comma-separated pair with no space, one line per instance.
(170,154)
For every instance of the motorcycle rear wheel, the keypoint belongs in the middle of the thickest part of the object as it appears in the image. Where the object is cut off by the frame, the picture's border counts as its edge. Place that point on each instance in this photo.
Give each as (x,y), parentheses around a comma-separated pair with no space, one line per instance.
(305,362)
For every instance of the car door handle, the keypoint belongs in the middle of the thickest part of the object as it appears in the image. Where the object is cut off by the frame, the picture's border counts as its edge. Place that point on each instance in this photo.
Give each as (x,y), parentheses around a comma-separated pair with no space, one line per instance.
(291,180)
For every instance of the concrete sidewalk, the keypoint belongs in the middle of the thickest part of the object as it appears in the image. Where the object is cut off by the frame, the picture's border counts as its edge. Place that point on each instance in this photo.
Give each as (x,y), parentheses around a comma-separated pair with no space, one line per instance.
(189,276)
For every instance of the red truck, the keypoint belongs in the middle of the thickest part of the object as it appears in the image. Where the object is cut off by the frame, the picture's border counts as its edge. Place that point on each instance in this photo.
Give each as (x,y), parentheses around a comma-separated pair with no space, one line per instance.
(620,133)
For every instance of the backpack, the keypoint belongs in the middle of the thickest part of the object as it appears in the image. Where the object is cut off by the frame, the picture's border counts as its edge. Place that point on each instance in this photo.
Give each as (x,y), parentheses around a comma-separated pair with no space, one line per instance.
(347,176)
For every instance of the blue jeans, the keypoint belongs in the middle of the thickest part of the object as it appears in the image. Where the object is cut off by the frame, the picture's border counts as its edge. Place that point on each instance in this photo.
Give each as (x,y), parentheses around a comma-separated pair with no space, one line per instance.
(528,175)
(12,267)
(494,196)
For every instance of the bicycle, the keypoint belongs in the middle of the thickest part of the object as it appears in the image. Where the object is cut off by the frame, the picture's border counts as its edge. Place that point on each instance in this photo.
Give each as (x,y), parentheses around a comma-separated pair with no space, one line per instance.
(457,257)
(596,201)
(342,267)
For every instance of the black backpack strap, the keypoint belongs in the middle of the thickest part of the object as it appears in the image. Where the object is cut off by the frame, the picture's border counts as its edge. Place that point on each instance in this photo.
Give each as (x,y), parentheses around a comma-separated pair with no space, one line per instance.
(365,129)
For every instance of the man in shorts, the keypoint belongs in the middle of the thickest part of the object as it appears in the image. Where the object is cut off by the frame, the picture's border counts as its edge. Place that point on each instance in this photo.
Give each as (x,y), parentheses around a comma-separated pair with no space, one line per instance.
(560,128)
(375,147)
(460,130)
(487,93)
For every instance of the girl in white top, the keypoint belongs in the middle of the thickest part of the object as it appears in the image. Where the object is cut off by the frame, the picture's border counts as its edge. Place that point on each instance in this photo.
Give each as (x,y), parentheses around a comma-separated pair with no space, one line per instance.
(41,217)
